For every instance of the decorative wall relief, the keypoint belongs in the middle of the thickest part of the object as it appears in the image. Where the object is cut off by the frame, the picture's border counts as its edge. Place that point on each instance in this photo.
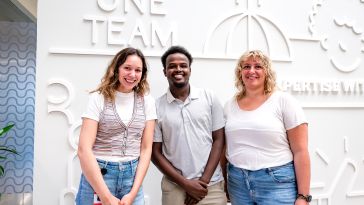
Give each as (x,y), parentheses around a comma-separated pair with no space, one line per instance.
(61,104)
(240,26)
(17,99)
(317,48)
(328,18)
(348,163)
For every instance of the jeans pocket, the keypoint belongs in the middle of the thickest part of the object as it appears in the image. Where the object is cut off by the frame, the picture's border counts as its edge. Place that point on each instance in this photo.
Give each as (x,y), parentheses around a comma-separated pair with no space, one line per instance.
(283,174)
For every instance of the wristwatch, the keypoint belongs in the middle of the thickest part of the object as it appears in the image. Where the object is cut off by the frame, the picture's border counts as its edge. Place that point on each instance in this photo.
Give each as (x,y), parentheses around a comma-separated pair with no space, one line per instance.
(307,197)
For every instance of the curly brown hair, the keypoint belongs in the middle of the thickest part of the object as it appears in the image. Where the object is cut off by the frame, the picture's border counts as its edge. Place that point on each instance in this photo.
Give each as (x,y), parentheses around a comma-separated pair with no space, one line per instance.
(110,82)
(270,79)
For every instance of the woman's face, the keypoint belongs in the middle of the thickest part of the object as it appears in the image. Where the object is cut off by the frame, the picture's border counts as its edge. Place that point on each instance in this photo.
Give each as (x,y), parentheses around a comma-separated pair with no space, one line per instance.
(130,73)
(253,74)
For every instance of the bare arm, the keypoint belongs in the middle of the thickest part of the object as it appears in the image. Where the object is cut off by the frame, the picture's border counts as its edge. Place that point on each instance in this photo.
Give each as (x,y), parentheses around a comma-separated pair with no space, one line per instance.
(164,165)
(196,188)
(215,155)
(89,165)
(213,160)
(298,139)
(223,163)
(144,160)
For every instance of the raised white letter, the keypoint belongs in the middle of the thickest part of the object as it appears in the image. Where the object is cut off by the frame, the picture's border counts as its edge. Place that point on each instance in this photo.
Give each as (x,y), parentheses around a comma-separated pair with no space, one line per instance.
(137,3)
(163,37)
(108,7)
(154,5)
(138,31)
(285,85)
(113,30)
(348,86)
(94,20)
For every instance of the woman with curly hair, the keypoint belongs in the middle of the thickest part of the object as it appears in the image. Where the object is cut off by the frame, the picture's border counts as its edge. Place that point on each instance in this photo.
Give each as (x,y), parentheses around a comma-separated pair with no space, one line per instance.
(117,134)
(266,139)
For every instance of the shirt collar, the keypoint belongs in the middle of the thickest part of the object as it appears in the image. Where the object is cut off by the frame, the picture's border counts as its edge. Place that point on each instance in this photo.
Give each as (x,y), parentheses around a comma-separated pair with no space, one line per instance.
(192,96)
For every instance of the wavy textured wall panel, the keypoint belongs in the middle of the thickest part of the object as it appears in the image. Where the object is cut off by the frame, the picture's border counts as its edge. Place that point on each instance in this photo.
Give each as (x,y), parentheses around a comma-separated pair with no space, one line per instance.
(17,98)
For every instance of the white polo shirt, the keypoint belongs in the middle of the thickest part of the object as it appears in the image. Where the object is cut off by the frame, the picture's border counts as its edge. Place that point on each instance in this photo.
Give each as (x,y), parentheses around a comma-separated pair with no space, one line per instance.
(185,128)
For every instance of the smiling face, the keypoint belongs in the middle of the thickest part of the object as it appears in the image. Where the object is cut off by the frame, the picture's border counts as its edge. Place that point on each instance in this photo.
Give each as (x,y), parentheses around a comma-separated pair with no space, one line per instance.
(177,70)
(253,74)
(130,73)
(344,53)
(345,47)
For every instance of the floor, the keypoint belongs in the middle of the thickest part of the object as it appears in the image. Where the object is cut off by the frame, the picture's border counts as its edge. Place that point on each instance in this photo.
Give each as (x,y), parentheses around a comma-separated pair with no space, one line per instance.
(16,199)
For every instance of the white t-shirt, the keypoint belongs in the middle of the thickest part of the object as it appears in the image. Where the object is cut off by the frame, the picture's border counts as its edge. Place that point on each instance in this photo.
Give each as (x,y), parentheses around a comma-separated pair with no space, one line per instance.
(124,106)
(257,139)
(124,103)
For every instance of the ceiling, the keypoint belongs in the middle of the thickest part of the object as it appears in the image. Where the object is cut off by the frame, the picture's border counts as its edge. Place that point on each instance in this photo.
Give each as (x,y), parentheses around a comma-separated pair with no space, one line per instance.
(18,10)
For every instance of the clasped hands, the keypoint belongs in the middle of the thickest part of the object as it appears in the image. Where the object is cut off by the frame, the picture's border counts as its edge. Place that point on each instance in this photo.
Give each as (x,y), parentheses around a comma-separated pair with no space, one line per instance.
(196,190)
(112,200)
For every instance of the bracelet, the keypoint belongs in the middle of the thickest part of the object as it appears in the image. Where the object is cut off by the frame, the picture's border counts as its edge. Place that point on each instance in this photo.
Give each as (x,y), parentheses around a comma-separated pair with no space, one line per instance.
(307,197)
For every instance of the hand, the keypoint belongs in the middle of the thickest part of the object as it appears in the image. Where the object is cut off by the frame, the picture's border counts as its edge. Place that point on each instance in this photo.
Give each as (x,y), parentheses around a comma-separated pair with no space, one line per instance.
(189,200)
(196,189)
(110,200)
(126,200)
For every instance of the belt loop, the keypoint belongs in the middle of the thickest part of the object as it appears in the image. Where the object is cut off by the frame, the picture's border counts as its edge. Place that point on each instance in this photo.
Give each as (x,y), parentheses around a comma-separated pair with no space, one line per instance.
(103,168)
(103,162)
(120,166)
(106,162)
(244,171)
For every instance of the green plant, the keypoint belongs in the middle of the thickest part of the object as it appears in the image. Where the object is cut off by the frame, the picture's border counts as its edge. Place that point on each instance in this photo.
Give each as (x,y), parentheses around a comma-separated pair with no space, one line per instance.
(5,149)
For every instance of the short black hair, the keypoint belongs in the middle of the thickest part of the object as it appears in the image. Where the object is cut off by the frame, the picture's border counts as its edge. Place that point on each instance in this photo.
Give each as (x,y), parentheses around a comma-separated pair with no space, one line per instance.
(173,50)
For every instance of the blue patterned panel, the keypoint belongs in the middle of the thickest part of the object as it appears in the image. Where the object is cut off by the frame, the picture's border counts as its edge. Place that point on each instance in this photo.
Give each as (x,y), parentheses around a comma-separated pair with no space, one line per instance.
(17,99)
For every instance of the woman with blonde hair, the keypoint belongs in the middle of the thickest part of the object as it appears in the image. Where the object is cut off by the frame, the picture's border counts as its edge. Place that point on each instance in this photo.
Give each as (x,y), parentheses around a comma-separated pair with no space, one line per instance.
(266,139)
(117,134)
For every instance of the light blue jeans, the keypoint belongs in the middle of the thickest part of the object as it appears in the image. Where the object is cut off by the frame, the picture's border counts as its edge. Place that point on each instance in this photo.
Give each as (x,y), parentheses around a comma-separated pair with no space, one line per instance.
(119,178)
(270,186)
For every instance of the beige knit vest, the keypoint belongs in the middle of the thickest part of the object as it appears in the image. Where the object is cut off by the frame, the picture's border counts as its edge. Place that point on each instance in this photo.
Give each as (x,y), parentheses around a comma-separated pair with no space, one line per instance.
(116,139)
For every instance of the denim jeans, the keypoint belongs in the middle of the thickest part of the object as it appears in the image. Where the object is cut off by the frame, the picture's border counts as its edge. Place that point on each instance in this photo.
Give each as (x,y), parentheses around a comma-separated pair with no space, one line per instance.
(119,178)
(269,186)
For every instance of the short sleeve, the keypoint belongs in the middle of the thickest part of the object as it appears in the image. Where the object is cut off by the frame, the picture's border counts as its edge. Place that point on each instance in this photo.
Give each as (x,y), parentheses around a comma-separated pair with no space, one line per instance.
(293,114)
(218,120)
(227,108)
(150,110)
(158,137)
(158,133)
(94,107)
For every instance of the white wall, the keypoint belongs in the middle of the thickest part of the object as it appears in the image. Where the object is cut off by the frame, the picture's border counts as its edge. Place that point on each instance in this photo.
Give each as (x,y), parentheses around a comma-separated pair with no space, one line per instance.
(317,49)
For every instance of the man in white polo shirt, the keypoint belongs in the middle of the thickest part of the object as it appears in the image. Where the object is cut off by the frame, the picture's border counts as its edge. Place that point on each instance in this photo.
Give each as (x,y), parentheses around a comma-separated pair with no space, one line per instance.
(189,137)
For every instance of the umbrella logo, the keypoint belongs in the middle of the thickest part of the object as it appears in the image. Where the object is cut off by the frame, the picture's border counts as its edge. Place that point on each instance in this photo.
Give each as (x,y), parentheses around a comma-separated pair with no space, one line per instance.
(247,29)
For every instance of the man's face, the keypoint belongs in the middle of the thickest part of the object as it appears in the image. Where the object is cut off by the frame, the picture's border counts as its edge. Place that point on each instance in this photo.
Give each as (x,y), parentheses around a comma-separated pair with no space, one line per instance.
(177,70)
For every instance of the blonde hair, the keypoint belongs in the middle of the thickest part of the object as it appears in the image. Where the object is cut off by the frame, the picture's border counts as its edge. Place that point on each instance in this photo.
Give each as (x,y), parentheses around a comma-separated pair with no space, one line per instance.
(110,81)
(270,79)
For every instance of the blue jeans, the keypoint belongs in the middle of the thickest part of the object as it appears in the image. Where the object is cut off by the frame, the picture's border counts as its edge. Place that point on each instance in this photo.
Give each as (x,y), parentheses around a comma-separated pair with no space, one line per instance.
(119,178)
(269,186)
